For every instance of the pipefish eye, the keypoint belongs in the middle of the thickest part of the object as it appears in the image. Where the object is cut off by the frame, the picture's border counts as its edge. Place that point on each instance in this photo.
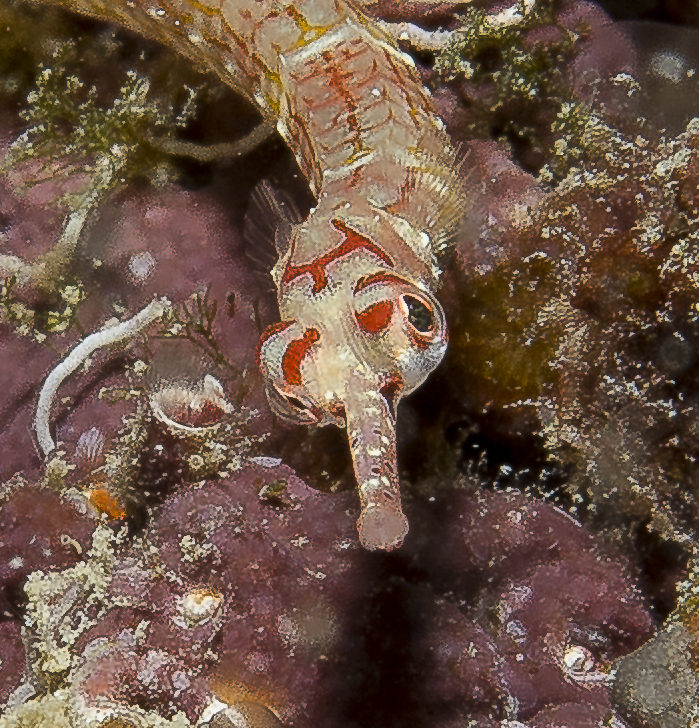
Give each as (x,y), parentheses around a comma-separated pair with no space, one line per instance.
(290,407)
(295,402)
(419,314)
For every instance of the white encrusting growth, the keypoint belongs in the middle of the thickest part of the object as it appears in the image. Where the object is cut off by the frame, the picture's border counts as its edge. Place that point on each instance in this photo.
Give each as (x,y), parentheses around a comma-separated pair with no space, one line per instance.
(416,36)
(512,15)
(436,40)
(105,337)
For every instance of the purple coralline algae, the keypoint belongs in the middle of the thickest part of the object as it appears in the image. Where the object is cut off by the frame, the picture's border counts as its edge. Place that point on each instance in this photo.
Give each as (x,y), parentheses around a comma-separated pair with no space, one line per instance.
(246,592)
(224,600)
(556,609)
(38,530)
(12,658)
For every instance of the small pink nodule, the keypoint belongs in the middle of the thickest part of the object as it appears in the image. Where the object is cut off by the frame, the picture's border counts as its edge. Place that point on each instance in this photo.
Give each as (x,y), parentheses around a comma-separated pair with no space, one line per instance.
(382,527)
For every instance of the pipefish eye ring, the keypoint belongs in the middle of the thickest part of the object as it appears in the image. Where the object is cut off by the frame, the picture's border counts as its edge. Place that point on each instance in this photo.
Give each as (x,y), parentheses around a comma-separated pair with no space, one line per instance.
(423,318)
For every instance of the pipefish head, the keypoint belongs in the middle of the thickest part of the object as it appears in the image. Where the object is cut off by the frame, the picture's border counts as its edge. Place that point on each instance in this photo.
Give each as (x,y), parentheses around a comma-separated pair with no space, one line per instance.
(346,352)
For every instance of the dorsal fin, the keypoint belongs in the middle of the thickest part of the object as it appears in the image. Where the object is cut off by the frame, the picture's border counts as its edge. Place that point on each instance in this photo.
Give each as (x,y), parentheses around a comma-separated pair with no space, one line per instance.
(429,199)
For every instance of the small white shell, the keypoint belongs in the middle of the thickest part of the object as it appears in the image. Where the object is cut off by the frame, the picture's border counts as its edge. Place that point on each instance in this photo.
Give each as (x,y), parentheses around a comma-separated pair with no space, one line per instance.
(577,660)
(580,666)
(191,409)
(198,606)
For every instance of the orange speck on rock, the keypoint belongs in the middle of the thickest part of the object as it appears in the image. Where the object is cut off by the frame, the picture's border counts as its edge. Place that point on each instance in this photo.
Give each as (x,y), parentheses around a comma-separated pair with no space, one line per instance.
(105,502)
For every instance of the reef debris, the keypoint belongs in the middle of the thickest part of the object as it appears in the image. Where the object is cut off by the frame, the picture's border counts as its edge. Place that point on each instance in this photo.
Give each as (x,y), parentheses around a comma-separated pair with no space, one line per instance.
(253,591)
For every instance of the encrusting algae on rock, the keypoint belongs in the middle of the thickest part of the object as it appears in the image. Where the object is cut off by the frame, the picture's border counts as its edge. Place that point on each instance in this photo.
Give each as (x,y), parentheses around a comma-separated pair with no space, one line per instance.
(229,598)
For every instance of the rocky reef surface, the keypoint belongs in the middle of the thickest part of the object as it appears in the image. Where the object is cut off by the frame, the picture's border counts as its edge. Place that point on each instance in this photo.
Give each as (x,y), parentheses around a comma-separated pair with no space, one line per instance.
(183,559)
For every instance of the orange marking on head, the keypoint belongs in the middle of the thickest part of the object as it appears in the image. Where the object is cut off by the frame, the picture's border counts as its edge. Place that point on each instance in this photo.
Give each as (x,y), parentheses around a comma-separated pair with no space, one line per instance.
(375,318)
(269,332)
(293,356)
(317,268)
(105,502)
(379,277)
